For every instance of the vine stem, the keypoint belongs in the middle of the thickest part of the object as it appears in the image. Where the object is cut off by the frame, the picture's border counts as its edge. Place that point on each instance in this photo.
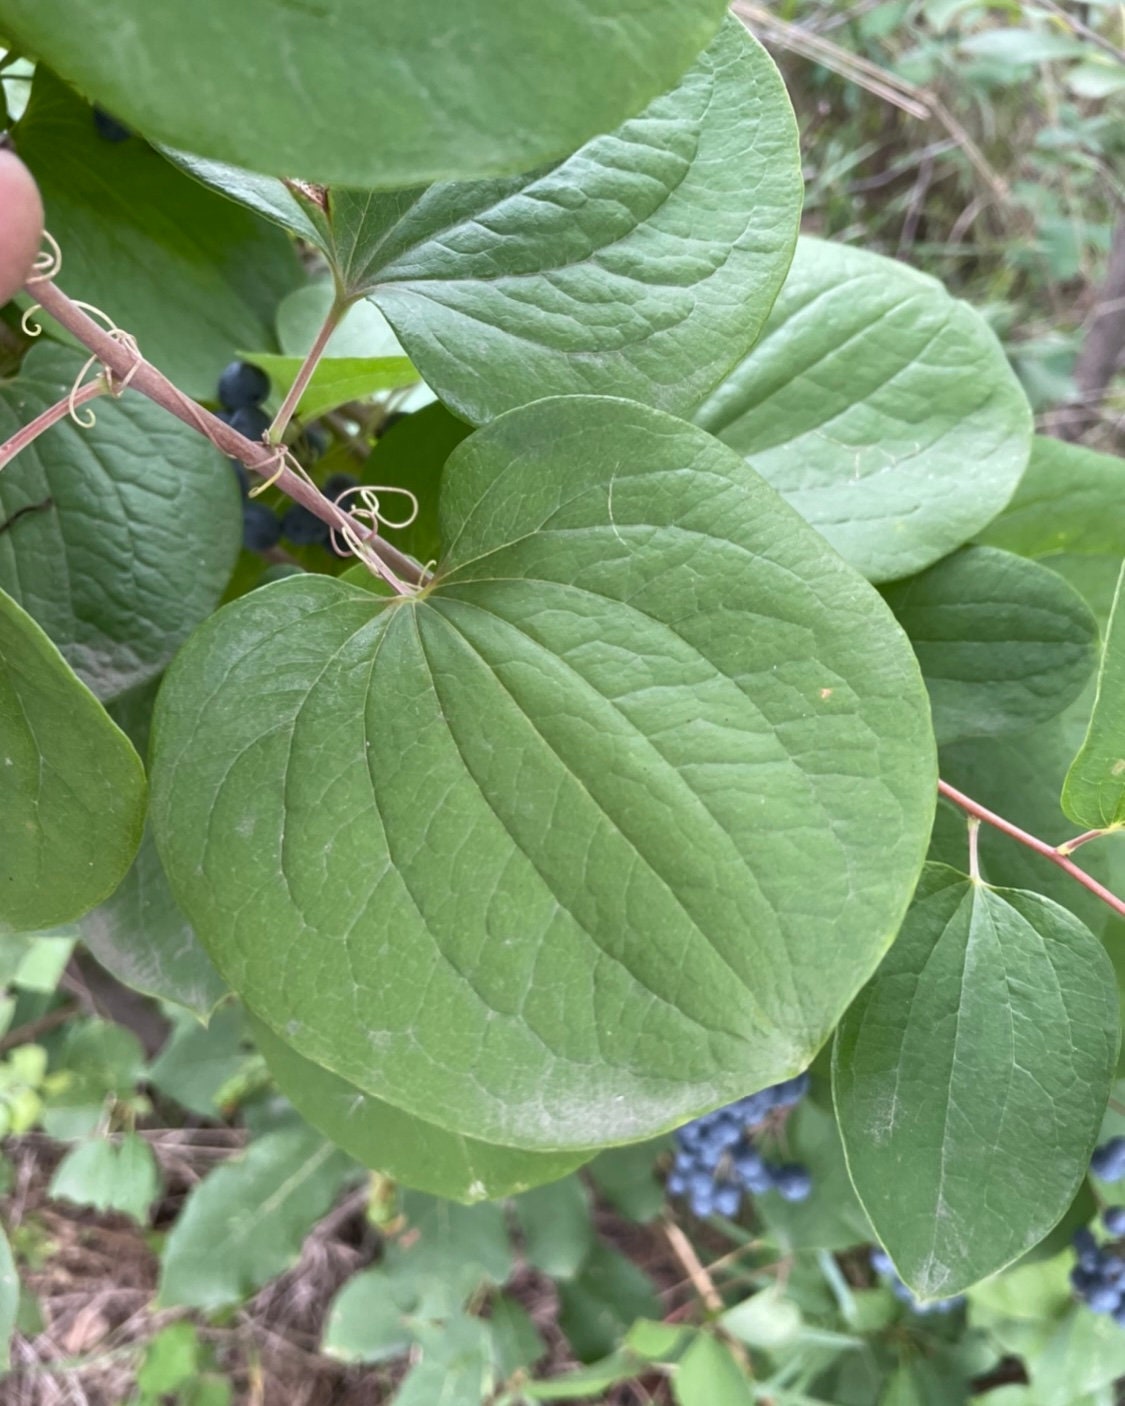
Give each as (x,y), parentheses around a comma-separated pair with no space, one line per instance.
(1069,846)
(974,808)
(129,366)
(30,432)
(305,374)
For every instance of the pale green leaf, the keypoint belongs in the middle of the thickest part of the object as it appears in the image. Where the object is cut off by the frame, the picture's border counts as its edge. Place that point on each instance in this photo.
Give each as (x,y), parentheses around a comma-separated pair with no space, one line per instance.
(1070,499)
(585,1382)
(336,380)
(375,95)
(1085,1353)
(198,1062)
(638,669)
(881,407)
(245,1222)
(131,530)
(1003,643)
(96,1061)
(970,1077)
(73,787)
(709,1376)
(515,1341)
(599,274)
(453,1366)
(362,331)
(831,1218)
(557,1228)
(9,1300)
(766,1320)
(188,274)
(109,1176)
(1094,791)
(412,1151)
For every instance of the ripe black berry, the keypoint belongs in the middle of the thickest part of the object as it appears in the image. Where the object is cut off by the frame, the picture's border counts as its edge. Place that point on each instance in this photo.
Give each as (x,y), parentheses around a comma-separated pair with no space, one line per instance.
(108,128)
(260,527)
(250,421)
(302,528)
(242,386)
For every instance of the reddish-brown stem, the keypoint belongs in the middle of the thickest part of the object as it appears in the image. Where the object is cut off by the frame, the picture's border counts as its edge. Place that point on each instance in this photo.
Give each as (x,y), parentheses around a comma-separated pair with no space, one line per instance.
(974,808)
(1069,846)
(260,458)
(305,374)
(30,432)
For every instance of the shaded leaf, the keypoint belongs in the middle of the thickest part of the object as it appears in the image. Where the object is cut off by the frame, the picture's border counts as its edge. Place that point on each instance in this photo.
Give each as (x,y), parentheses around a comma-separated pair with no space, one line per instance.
(133,529)
(881,407)
(198,1062)
(412,1151)
(336,380)
(638,668)
(245,1222)
(109,1176)
(188,274)
(709,1376)
(74,788)
(383,96)
(557,1229)
(1003,643)
(95,1061)
(971,1075)
(599,1304)
(412,455)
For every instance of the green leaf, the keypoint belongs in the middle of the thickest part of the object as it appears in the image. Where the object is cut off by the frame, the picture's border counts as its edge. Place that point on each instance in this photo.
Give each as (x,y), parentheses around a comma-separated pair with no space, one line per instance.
(171,1360)
(765,1320)
(599,1304)
(337,379)
(970,1077)
(638,668)
(96,1061)
(140,933)
(1070,499)
(1094,791)
(109,1177)
(245,1222)
(373,1318)
(132,528)
(1084,1354)
(453,1366)
(9,1300)
(832,1218)
(501,292)
(412,1151)
(557,1227)
(625,1176)
(412,455)
(187,273)
(362,330)
(516,1342)
(709,1376)
(1003,643)
(1011,44)
(198,1062)
(74,788)
(881,407)
(585,1382)
(382,96)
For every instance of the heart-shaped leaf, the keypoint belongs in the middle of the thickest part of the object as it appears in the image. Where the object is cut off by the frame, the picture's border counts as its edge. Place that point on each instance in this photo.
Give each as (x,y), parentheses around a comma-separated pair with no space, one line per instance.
(605,827)
(598,275)
(126,532)
(372,94)
(971,1076)
(882,408)
(74,788)
(190,276)
(1003,642)
(412,1151)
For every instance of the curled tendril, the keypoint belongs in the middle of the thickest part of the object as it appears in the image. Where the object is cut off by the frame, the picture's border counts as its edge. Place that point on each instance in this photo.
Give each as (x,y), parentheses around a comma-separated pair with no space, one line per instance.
(48,262)
(372,513)
(85,419)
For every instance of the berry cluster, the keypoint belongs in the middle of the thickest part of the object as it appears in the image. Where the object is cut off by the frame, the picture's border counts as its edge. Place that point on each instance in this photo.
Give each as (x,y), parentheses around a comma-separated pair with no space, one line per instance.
(1098,1277)
(242,391)
(881,1264)
(717,1161)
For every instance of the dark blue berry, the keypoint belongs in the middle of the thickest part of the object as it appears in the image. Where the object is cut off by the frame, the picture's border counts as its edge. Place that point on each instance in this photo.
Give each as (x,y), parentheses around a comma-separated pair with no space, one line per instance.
(791,1092)
(727,1199)
(302,528)
(1108,1161)
(1113,1218)
(108,128)
(793,1182)
(334,485)
(260,527)
(242,476)
(243,387)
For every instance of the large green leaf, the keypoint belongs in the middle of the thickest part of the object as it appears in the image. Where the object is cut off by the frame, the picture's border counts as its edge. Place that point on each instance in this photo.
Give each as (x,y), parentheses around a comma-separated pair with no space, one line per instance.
(630,802)
(971,1075)
(372,94)
(74,788)
(245,1222)
(1004,644)
(1094,791)
(880,406)
(140,933)
(1070,499)
(132,528)
(412,1151)
(643,265)
(188,274)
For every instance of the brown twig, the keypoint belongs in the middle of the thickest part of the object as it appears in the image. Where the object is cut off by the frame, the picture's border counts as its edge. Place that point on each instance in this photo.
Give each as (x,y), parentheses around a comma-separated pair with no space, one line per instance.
(30,432)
